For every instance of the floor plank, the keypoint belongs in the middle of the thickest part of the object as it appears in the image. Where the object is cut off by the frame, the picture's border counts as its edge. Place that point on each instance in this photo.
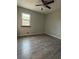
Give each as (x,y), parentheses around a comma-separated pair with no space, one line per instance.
(38,47)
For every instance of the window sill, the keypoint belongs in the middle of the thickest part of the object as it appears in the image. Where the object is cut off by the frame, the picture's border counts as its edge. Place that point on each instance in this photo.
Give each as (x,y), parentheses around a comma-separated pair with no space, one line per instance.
(25,26)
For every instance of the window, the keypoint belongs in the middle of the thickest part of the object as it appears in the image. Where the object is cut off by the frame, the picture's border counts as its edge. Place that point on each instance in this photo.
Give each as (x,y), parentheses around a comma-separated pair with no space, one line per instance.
(25,19)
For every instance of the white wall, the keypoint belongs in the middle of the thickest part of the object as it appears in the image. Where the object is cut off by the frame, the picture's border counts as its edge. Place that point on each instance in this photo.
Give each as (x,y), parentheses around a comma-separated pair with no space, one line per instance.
(53,24)
(37,22)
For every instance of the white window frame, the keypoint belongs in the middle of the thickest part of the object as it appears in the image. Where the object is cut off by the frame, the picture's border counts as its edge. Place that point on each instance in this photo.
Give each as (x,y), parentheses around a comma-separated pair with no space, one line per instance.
(27,21)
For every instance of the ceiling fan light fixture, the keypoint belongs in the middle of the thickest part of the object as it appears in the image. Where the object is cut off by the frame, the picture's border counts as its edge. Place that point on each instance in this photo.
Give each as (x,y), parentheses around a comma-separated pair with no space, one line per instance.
(41,8)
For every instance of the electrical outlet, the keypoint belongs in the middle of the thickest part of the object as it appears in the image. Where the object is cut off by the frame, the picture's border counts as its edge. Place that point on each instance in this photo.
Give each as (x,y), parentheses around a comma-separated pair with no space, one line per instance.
(27,32)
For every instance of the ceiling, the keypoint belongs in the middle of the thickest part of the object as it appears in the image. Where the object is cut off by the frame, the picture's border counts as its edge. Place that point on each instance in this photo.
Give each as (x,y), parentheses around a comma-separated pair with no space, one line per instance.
(30,4)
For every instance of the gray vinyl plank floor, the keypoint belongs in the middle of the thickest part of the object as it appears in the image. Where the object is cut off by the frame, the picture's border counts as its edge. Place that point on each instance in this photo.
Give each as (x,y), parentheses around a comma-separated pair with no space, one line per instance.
(38,47)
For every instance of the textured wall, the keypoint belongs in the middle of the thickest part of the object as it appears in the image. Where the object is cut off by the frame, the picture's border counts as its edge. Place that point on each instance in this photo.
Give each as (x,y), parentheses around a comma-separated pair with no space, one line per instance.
(37,22)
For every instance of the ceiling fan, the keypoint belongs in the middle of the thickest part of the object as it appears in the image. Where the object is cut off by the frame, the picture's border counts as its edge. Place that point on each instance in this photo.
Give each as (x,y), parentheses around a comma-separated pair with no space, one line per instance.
(46,3)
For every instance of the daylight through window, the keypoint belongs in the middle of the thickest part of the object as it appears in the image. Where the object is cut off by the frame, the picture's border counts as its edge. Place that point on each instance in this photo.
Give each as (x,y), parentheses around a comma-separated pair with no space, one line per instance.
(25,19)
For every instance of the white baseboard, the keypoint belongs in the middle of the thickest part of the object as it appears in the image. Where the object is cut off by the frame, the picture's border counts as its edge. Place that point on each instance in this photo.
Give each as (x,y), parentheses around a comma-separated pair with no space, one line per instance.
(30,34)
(53,36)
(40,34)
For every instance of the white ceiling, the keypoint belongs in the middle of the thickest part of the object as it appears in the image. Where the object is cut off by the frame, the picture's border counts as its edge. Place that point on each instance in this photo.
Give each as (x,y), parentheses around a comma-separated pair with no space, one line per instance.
(30,4)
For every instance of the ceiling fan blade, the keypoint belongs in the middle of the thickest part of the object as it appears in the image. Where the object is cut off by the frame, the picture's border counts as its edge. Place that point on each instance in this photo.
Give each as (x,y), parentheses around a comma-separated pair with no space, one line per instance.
(48,7)
(43,1)
(38,5)
(50,2)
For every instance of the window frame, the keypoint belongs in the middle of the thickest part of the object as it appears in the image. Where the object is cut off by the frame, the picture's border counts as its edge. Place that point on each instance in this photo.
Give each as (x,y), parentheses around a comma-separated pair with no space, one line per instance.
(28,20)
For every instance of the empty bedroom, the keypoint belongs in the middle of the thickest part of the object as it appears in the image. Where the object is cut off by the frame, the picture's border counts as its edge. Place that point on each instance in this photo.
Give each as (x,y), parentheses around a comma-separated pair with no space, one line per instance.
(38,29)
